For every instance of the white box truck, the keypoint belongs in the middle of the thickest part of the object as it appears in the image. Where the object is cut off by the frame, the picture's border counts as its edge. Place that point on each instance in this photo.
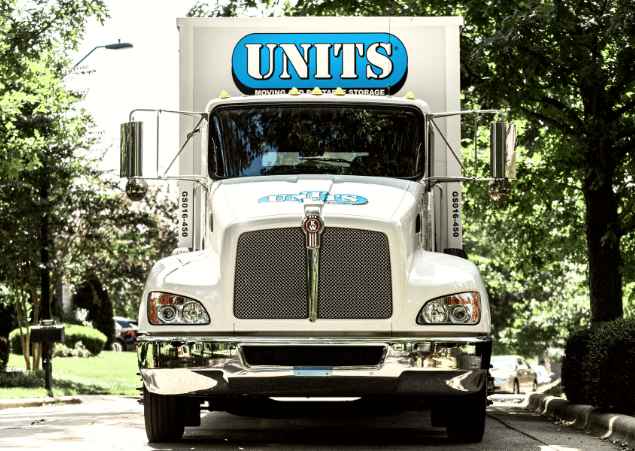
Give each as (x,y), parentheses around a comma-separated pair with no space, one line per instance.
(320,249)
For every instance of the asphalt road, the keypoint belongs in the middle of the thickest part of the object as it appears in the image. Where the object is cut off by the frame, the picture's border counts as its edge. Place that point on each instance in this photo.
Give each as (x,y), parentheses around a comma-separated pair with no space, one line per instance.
(113,423)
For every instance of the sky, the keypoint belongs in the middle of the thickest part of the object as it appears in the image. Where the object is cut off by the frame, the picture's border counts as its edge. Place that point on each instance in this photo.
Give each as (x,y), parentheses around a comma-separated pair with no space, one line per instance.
(145,76)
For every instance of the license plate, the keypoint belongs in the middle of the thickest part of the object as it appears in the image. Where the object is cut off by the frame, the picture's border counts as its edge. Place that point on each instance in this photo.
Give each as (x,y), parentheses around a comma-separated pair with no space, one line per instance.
(313,371)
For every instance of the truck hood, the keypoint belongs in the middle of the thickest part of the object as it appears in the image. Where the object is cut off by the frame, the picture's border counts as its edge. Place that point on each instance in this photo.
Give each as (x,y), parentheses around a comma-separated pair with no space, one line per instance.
(263,197)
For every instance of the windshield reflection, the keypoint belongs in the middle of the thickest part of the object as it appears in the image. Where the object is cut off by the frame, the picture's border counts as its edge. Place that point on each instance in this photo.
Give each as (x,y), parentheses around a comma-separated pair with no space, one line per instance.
(326,139)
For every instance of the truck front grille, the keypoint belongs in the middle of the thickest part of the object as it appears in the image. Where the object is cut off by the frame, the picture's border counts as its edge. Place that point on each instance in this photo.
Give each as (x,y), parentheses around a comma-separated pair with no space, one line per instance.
(354,277)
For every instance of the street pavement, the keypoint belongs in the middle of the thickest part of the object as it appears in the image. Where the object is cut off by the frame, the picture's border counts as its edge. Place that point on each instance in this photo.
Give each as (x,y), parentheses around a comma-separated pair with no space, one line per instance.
(117,423)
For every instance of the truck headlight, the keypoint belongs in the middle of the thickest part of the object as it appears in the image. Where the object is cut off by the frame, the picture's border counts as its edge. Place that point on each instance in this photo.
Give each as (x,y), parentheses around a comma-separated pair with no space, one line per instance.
(166,308)
(460,308)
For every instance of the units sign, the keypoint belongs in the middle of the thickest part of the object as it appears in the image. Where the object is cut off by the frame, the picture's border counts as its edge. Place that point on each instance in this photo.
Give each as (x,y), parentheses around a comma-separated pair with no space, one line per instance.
(359,63)
(341,199)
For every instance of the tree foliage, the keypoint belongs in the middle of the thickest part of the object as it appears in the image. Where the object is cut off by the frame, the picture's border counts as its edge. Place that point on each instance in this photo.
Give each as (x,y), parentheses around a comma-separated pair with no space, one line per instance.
(35,37)
(117,241)
(60,217)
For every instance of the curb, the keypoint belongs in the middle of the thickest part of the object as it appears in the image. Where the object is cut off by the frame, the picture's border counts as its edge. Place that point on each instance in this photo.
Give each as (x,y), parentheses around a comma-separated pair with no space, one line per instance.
(38,402)
(611,426)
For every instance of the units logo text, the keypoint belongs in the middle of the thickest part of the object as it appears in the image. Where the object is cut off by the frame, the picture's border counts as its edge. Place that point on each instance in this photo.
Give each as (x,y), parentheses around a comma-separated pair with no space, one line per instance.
(359,63)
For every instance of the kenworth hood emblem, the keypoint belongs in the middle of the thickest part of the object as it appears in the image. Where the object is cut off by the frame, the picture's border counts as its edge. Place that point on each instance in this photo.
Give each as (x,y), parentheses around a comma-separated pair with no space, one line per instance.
(313,227)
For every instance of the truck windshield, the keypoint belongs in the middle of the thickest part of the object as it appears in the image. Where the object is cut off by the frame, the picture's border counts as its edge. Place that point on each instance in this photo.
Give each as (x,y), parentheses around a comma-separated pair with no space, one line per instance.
(316,139)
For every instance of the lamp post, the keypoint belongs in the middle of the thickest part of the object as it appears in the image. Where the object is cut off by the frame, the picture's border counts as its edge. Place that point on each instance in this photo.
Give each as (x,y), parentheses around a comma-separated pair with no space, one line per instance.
(117,46)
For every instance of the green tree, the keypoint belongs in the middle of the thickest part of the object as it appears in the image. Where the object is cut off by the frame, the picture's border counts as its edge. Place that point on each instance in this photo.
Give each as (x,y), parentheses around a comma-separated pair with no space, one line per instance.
(60,217)
(566,69)
(115,240)
(35,38)
(39,132)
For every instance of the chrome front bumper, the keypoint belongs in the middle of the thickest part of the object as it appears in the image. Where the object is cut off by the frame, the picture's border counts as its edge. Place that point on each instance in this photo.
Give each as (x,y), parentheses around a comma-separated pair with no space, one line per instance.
(218,367)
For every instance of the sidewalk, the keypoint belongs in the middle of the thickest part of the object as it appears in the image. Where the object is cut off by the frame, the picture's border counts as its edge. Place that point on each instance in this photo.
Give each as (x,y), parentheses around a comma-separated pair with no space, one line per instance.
(618,428)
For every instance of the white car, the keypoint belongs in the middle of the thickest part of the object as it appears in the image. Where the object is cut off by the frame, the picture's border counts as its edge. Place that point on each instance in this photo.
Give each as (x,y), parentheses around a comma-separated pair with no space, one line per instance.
(544,376)
(512,374)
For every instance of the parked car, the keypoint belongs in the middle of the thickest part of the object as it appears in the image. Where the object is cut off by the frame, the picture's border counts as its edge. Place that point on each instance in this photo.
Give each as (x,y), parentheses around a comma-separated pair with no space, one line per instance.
(125,334)
(544,376)
(512,374)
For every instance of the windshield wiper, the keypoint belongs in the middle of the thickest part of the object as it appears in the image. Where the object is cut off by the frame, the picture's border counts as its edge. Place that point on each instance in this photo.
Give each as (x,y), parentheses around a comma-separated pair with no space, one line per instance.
(328,160)
(301,169)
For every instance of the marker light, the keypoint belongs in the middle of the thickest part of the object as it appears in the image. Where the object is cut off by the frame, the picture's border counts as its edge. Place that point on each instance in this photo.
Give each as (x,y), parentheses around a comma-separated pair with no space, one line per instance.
(410,96)
(460,308)
(316,92)
(294,92)
(339,92)
(166,308)
(224,95)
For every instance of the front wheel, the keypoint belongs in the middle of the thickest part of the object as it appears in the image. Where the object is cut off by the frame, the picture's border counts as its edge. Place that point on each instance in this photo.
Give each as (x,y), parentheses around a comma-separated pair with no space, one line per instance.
(164,417)
(468,425)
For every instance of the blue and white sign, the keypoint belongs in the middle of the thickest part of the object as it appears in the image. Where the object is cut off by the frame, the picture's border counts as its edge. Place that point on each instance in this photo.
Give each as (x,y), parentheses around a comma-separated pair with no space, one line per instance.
(373,63)
(324,196)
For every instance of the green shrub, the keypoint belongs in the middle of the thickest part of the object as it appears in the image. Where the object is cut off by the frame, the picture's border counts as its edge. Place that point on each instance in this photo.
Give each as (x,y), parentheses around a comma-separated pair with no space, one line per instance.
(61,350)
(4,352)
(25,379)
(610,371)
(576,352)
(598,367)
(15,343)
(92,339)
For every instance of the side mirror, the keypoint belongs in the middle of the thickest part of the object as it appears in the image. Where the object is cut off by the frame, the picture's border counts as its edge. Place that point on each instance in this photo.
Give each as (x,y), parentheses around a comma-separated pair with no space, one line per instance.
(136,189)
(131,162)
(502,160)
(502,150)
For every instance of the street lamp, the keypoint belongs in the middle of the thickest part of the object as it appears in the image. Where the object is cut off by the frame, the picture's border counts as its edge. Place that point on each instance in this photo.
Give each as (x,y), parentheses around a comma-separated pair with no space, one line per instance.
(117,46)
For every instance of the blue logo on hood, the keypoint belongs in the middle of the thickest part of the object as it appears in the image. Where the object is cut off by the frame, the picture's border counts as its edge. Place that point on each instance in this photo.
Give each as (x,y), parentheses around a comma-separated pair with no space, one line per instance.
(324,196)
(351,61)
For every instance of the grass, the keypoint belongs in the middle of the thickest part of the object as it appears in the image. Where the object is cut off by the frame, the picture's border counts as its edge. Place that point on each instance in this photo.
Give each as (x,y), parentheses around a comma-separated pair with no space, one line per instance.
(110,373)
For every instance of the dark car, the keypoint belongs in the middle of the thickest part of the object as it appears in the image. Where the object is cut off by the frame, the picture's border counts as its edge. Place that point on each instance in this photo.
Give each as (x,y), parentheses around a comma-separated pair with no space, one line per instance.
(125,334)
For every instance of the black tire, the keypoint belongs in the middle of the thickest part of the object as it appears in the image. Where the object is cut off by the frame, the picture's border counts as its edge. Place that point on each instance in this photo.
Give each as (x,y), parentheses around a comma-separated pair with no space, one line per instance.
(516,387)
(456,252)
(468,426)
(535,387)
(164,417)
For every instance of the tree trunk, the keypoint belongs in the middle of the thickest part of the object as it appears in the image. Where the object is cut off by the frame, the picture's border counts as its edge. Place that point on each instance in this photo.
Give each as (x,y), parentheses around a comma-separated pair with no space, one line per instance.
(603,239)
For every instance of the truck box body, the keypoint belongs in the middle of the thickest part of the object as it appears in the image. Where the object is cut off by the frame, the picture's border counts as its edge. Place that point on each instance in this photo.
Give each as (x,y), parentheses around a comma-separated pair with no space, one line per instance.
(314,224)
